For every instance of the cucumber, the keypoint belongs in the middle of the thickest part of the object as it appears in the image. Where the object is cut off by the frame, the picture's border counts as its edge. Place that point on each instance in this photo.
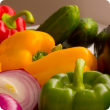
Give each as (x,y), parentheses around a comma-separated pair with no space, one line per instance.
(61,23)
(102,38)
(85,34)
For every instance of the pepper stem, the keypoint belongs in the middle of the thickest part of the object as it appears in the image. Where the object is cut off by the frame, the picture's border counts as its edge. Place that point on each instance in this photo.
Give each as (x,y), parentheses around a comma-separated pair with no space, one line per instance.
(10,21)
(39,55)
(58,47)
(78,75)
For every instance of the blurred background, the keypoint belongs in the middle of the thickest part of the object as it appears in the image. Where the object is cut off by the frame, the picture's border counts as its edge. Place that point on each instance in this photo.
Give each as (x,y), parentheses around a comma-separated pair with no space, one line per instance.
(42,9)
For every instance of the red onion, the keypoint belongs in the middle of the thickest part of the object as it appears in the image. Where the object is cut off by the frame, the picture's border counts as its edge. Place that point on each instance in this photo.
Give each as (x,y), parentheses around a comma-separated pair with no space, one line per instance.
(8,103)
(22,86)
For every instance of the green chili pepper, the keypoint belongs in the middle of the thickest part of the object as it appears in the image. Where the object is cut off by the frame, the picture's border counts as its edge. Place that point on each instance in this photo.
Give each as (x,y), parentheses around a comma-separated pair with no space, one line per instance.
(76,90)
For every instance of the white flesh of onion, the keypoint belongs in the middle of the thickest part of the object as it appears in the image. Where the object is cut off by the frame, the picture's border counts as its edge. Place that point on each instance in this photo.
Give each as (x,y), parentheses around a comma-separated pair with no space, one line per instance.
(21,86)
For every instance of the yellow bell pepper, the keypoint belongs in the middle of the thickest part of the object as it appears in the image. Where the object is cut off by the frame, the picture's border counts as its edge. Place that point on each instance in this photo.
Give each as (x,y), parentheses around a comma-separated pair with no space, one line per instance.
(16,51)
(60,61)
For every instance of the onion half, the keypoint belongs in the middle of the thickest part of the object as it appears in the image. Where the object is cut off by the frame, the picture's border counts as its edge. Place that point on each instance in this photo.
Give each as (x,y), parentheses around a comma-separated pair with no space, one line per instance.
(8,103)
(21,86)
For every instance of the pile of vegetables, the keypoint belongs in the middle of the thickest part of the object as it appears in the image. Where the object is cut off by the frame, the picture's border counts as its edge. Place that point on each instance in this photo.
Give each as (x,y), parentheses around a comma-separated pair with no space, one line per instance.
(51,68)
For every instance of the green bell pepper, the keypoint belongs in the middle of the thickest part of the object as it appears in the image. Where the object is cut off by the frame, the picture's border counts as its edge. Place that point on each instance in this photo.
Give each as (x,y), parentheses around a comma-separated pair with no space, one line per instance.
(76,90)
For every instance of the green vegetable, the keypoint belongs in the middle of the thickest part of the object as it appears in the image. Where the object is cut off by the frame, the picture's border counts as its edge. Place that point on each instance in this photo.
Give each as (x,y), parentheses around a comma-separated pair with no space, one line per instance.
(102,50)
(100,41)
(76,90)
(85,33)
(61,23)
(107,100)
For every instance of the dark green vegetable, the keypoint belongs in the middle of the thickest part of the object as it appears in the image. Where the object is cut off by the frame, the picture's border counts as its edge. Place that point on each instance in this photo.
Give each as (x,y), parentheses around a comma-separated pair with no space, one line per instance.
(102,38)
(61,23)
(85,34)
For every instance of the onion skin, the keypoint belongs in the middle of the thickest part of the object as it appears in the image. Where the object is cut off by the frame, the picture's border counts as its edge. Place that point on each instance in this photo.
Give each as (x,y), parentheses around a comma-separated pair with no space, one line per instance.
(8,103)
(21,86)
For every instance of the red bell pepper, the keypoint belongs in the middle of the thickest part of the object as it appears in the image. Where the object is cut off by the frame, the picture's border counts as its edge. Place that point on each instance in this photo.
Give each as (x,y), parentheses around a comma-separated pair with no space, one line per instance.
(10,22)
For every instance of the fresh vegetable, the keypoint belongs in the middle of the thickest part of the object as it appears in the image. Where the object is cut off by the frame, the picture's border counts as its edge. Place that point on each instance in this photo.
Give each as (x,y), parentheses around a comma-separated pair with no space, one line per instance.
(107,100)
(84,34)
(102,50)
(76,90)
(11,23)
(61,23)
(60,61)
(8,103)
(101,40)
(21,86)
(17,51)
